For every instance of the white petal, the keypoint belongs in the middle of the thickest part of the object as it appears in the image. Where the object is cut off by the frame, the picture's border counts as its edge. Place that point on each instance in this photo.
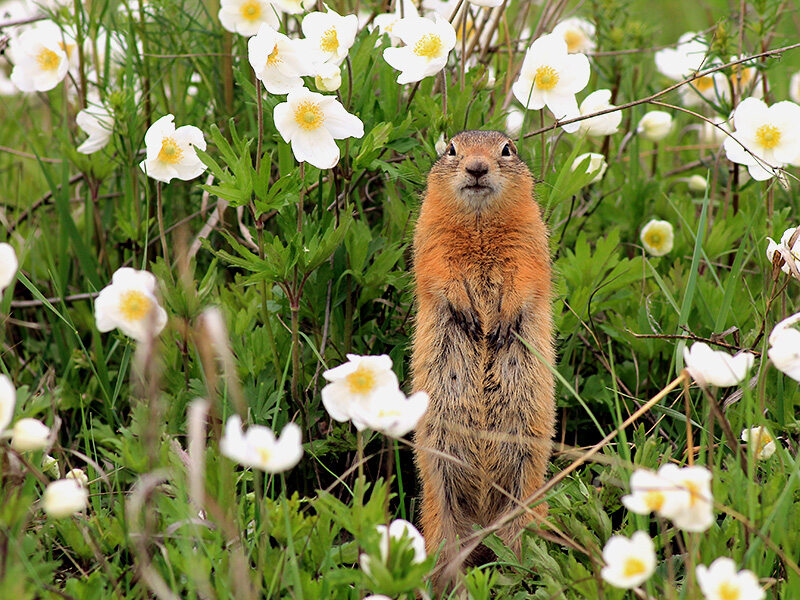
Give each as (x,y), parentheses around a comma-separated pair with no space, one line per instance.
(317,148)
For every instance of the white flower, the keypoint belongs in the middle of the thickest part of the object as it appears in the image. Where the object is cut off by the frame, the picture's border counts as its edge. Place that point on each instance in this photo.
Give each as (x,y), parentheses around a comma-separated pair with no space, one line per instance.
(656,492)
(398,529)
(772,134)
(170,151)
(698,514)
(657,237)
(486,3)
(29,435)
(712,87)
(714,367)
(391,412)
(655,125)
(764,443)
(386,22)
(258,447)
(597,164)
(748,74)
(427,46)
(277,60)
(8,265)
(130,304)
(328,77)
(97,122)
(64,498)
(697,183)
(607,124)
(629,562)
(79,476)
(311,122)
(789,252)
(40,58)
(784,351)
(8,398)
(794,87)
(721,581)
(245,17)
(330,35)
(684,60)
(294,7)
(356,384)
(551,77)
(514,121)
(577,33)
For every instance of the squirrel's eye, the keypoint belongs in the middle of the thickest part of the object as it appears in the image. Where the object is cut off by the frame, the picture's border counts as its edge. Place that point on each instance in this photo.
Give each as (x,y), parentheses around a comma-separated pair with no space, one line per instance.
(506,150)
(451,150)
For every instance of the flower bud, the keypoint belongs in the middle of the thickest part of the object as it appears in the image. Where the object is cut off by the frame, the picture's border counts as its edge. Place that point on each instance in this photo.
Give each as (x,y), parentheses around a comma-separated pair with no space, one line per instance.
(64,498)
(514,121)
(441,145)
(655,125)
(597,162)
(29,435)
(79,477)
(329,78)
(49,465)
(697,183)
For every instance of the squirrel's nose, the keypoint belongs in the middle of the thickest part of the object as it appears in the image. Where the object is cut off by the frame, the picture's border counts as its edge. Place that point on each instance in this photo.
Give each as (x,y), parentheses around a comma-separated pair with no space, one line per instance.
(477,169)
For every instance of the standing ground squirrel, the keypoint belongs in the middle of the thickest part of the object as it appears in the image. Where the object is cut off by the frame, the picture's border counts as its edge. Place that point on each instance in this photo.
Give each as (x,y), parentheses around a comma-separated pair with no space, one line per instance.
(482,271)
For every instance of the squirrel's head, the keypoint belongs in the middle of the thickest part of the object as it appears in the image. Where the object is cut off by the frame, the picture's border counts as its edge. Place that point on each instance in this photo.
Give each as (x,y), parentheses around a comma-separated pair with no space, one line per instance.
(480,169)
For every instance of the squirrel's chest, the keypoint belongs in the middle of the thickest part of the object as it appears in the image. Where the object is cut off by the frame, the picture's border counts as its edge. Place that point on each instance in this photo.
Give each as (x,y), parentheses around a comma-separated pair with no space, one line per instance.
(484,264)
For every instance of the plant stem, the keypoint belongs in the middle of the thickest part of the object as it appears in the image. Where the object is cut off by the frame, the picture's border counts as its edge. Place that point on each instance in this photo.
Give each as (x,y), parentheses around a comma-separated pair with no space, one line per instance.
(260,114)
(162,235)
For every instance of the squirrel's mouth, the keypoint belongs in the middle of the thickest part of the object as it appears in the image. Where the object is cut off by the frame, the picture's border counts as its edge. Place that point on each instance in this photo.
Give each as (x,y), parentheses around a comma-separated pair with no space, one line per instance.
(477,188)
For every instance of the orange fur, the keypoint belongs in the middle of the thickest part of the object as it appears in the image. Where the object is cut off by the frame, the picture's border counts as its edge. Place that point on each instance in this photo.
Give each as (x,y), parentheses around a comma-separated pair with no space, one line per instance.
(482,270)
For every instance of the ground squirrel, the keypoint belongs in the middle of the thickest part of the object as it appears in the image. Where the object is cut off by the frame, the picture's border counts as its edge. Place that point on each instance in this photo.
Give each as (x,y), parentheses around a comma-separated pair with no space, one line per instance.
(482,271)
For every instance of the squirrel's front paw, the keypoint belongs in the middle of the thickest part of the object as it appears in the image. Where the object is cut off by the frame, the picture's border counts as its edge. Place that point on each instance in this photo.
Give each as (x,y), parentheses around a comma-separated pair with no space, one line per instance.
(467,321)
(503,334)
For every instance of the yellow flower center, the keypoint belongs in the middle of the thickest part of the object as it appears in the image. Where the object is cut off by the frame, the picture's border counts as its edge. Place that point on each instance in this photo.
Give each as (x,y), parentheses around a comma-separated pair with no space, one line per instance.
(264,455)
(459,30)
(428,46)
(703,84)
(329,42)
(134,305)
(653,239)
(48,60)
(763,438)
(747,75)
(546,78)
(728,591)
(633,566)
(309,116)
(361,381)
(251,10)
(654,500)
(694,492)
(274,58)
(170,151)
(768,136)
(574,39)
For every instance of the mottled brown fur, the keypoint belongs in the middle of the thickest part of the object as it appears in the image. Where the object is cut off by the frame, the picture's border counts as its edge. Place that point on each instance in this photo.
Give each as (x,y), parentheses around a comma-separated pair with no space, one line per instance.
(482,270)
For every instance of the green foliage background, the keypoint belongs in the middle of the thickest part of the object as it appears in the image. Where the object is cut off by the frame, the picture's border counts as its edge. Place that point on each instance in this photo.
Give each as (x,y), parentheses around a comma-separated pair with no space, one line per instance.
(329,275)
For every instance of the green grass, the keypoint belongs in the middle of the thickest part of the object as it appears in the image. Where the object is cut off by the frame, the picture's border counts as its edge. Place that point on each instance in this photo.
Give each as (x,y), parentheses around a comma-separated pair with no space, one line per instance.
(297,300)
